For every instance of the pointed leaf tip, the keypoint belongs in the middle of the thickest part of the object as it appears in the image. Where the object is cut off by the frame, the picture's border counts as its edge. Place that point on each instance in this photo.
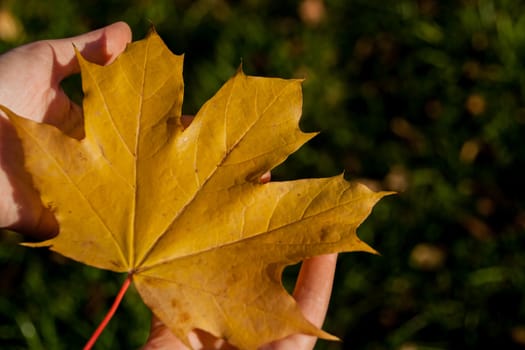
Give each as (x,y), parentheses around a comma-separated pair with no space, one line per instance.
(152,30)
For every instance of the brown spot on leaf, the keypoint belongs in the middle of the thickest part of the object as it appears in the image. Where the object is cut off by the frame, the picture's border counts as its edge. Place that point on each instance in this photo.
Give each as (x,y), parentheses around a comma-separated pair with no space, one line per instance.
(184,317)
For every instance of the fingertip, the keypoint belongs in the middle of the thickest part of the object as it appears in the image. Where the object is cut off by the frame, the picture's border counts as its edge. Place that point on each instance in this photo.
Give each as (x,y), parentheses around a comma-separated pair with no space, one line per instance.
(118,36)
(100,46)
(266,177)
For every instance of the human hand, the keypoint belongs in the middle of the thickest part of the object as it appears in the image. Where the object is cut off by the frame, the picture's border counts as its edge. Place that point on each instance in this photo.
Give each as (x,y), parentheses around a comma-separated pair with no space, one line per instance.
(30,78)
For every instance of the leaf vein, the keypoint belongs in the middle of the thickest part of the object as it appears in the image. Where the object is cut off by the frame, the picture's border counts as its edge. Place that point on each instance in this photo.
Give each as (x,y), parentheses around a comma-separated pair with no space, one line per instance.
(82,195)
(212,172)
(252,237)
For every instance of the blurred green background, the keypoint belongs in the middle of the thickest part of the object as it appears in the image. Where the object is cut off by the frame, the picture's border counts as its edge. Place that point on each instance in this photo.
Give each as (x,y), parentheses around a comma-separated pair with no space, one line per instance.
(425,97)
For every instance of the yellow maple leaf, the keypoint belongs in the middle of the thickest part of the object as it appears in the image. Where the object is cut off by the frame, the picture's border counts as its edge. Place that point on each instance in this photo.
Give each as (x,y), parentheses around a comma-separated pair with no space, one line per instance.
(182,210)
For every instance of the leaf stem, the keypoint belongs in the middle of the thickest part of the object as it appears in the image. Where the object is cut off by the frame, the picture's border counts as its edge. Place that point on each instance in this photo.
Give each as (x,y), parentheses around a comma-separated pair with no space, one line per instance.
(110,314)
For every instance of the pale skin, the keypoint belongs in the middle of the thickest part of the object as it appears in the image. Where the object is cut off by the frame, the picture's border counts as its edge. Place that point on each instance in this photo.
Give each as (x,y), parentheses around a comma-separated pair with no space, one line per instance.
(30,78)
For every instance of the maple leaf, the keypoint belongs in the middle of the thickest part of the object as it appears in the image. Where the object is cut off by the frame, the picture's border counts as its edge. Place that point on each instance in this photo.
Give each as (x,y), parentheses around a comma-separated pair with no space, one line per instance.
(182,210)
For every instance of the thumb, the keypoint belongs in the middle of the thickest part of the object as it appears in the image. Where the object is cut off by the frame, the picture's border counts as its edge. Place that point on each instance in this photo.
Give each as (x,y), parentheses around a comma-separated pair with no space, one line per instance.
(100,46)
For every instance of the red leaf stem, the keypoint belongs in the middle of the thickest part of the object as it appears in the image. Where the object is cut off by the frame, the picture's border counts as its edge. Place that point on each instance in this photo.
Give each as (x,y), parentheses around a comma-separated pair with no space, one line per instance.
(109,315)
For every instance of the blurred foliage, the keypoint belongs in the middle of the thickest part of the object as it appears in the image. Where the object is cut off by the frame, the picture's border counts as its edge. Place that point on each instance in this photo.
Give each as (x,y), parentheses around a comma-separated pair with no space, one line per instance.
(423,97)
